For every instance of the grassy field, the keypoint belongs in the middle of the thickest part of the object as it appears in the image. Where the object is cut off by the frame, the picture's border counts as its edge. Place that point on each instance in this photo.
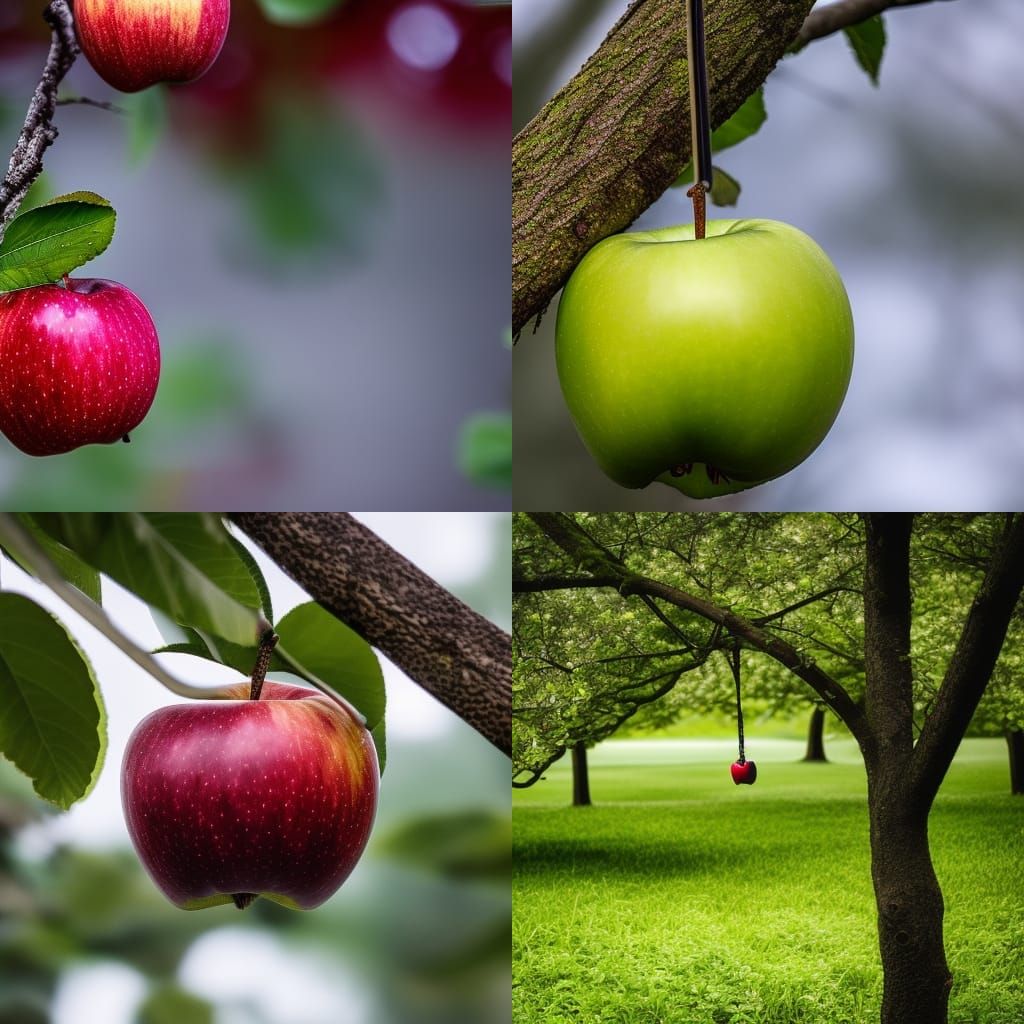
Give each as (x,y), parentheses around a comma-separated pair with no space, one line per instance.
(680,898)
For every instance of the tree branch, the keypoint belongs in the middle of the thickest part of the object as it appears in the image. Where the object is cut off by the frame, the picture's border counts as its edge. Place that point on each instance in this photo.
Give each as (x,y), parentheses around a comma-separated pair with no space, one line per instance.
(973,661)
(564,532)
(38,131)
(85,101)
(763,620)
(836,16)
(452,652)
(537,584)
(671,679)
(617,135)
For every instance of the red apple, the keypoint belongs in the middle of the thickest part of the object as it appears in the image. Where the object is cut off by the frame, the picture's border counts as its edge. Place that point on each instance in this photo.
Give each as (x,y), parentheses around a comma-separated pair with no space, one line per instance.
(133,44)
(79,364)
(229,800)
(743,772)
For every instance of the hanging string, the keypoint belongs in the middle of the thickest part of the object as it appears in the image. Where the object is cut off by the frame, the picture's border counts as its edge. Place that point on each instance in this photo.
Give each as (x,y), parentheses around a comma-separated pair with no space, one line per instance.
(700,116)
(734,664)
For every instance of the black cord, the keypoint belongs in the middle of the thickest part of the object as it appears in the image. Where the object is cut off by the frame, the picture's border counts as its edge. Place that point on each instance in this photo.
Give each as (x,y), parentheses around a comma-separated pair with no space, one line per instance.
(700,115)
(734,663)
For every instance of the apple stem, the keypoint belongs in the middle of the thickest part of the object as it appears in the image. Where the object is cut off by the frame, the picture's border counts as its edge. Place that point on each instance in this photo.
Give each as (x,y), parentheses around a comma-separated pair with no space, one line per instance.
(697,193)
(243,899)
(126,439)
(268,641)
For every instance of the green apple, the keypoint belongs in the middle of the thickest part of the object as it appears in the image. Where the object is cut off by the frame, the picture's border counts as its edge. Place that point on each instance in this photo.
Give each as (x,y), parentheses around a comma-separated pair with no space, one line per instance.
(711,365)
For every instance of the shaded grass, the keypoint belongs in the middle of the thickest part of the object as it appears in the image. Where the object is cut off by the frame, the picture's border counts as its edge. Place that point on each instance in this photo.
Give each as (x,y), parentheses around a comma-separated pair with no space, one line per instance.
(680,898)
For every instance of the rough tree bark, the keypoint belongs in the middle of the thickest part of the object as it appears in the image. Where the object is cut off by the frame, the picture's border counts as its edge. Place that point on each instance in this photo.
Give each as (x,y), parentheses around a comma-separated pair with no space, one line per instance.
(1015,747)
(903,776)
(452,652)
(616,136)
(816,737)
(580,776)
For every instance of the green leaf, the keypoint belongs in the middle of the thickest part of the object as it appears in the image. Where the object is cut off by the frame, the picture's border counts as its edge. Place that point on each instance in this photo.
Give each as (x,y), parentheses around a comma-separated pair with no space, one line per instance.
(725,189)
(68,564)
(464,844)
(50,241)
(182,563)
(257,576)
(147,120)
(868,43)
(485,450)
(744,123)
(319,646)
(52,719)
(297,12)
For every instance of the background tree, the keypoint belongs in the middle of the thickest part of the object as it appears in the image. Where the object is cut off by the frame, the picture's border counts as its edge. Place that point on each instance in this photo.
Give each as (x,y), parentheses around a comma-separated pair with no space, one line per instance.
(903,773)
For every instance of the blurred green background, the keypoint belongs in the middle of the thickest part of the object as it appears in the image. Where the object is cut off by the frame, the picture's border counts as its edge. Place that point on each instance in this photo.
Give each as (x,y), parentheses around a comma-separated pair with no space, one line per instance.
(320,229)
(420,933)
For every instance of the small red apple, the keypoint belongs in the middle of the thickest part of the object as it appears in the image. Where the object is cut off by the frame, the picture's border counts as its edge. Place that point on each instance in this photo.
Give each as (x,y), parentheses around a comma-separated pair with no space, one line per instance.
(79,364)
(134,44)
(229,800)
(744,772)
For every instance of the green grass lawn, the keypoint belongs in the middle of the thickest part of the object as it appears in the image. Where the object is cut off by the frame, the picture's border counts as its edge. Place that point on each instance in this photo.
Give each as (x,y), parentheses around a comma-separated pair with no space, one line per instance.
(680,898)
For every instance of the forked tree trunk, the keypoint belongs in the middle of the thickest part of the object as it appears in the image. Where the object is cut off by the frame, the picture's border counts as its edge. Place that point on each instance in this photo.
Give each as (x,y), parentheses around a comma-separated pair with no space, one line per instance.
(1015,743)
(816,737)
(910,908)
(580,778)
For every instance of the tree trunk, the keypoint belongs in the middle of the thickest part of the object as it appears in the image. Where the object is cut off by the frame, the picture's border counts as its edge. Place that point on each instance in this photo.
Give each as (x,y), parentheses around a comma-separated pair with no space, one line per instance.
(1015,743)
(580,778)
(910,908)
(816,737)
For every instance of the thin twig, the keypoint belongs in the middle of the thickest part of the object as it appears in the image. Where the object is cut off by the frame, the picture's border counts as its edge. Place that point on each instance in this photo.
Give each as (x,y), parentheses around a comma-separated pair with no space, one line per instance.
(85,101)
(39,131)
(824,21)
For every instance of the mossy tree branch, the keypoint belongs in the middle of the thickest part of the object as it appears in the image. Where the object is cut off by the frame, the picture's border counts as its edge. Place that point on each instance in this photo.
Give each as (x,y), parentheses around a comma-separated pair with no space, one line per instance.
(617,135)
